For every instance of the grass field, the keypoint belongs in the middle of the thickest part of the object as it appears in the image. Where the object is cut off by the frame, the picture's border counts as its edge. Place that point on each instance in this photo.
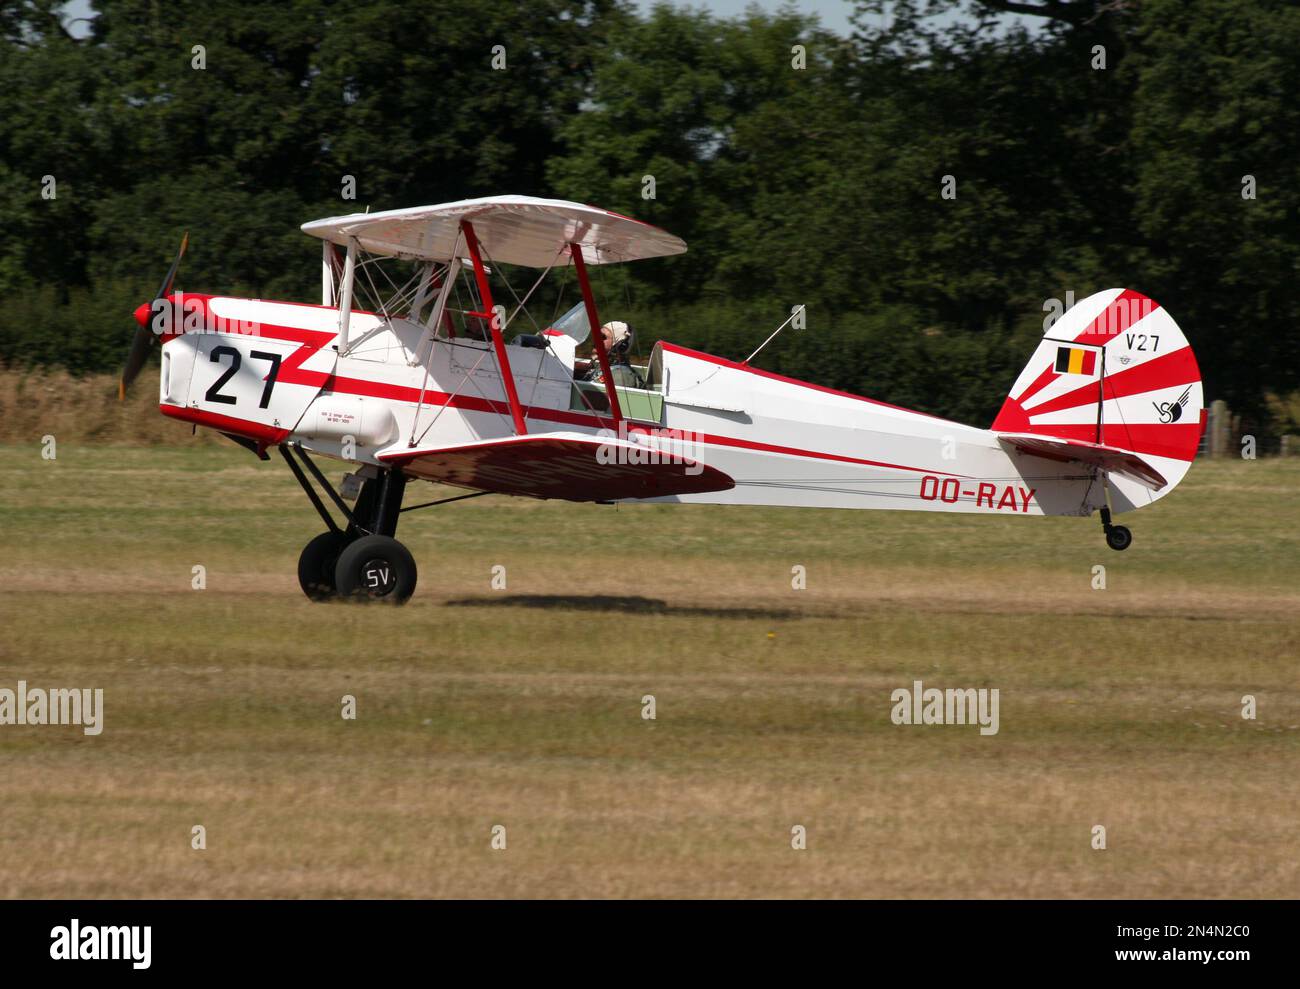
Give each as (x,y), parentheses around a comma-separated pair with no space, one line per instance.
(522,707)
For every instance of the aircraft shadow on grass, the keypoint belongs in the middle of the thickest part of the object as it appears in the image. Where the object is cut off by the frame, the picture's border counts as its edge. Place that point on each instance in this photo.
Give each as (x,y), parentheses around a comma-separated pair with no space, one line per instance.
(615,603)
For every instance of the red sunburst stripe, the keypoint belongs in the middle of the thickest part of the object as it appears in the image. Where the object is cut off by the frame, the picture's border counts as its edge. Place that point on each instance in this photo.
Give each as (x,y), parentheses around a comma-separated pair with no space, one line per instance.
(1042,381)
(1177,441)
(1177,367)
(1012,416)
(1124,311)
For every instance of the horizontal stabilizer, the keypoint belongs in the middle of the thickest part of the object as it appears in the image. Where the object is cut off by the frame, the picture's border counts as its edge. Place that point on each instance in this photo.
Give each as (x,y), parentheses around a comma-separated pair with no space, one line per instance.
(1109,458)
(569,466)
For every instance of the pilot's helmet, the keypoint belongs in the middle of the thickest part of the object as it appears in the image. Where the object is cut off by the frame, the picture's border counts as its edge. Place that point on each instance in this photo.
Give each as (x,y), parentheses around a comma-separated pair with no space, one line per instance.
(620,336)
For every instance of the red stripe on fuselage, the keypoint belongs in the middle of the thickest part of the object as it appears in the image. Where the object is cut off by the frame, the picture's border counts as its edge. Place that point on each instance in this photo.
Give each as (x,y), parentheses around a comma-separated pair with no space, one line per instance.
(292,372)
(267,435)
(812,454)
(732,441)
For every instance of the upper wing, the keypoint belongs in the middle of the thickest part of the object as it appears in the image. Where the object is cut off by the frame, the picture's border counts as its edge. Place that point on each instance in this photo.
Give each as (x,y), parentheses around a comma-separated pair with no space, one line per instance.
(570,466)
(512,229)
(1108,458)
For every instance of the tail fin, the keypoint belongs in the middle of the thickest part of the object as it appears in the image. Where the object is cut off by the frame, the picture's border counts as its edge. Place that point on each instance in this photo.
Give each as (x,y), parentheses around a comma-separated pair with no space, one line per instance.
(1115,370)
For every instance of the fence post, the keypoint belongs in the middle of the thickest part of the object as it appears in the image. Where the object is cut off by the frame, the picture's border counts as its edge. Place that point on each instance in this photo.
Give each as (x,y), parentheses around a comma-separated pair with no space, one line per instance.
(1220,428)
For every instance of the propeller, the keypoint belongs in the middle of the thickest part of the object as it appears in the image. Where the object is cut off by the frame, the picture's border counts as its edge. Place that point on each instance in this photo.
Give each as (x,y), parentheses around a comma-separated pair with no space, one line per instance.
(145,337)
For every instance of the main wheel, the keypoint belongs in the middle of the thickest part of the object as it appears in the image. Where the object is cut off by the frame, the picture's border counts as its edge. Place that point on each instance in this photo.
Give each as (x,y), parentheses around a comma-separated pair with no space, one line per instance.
(316,565)
(378,568)
(1118,537)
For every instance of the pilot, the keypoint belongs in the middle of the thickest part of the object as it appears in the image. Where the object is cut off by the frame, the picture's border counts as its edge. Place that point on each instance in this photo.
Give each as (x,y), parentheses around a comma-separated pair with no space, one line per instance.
(618,347)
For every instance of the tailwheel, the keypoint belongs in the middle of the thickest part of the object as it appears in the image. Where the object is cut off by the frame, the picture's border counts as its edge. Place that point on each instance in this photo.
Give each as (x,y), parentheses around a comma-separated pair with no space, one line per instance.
(1117,536)
(378,568)
(317,563)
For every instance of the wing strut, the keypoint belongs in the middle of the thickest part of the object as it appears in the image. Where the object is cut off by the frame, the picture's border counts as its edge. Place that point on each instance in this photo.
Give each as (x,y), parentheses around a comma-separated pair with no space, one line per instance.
(580,266)
(498,341)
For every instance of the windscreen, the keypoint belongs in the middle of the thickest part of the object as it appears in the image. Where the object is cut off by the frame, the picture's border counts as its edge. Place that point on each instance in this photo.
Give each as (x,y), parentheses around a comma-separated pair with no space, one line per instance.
(574,323)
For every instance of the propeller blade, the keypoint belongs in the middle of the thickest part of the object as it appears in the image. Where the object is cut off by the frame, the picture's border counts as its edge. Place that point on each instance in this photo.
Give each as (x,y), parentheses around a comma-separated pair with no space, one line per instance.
(145,338)
(141,344)
(166,288)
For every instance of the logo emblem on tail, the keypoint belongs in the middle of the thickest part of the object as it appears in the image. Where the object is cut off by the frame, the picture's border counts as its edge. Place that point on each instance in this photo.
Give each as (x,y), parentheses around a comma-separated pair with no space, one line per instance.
(1173,411)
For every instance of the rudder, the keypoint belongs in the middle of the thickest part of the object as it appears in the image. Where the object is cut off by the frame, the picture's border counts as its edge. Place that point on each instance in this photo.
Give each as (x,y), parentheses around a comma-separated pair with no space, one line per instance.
(1116,370)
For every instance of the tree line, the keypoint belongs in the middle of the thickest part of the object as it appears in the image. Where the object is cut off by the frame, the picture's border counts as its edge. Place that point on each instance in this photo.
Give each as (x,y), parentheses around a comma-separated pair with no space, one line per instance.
(924,185)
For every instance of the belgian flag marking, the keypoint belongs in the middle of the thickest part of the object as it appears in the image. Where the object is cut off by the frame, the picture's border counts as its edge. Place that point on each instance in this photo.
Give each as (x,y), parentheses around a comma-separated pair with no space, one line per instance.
(1075,360)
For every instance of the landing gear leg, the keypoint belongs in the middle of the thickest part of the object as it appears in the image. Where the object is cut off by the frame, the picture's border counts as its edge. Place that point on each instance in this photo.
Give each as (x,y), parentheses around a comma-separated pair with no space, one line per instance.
(379,505)
(362,561)
(317,561)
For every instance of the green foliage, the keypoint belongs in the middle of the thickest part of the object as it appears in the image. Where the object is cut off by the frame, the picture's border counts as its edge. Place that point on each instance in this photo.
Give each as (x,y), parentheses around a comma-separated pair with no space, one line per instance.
(81,328)
(1216,103)
(814,182)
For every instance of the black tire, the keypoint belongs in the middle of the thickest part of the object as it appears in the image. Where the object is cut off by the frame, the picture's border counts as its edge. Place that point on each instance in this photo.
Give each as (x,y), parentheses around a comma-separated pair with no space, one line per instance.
(376,568)
(316,565)
(1118,537)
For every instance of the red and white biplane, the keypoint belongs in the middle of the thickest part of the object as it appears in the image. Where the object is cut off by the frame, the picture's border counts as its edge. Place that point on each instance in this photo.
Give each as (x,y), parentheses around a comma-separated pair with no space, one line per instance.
(1106,416)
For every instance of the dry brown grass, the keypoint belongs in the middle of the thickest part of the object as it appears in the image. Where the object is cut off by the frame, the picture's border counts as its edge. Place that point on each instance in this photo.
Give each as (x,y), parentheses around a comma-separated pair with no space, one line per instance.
(522,707)
(51,402)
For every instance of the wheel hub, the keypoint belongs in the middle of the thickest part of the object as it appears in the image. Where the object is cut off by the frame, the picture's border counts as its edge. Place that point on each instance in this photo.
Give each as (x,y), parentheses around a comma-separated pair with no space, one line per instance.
(379,577)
